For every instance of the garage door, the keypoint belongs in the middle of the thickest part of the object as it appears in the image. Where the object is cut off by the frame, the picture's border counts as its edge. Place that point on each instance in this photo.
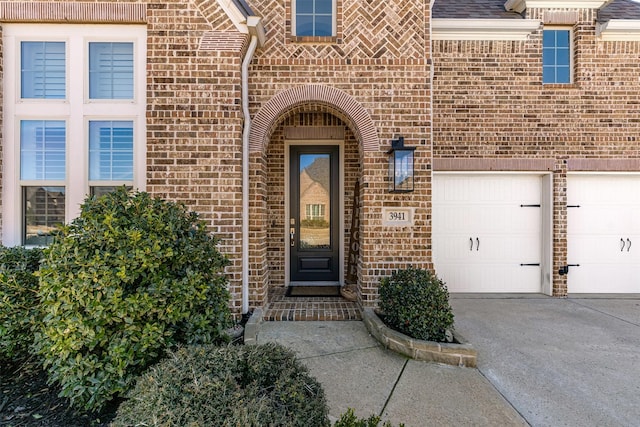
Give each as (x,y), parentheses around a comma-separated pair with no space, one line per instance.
(603,233)
(487,232)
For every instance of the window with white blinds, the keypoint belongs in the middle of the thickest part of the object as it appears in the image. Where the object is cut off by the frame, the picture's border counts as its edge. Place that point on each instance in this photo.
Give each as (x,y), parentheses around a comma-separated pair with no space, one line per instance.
(74,122)
(42,150)
(110,150)
(110,70)
(42,70)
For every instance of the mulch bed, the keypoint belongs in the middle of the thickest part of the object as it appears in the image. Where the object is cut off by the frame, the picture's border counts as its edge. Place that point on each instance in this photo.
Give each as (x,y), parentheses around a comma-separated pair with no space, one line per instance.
(27,400)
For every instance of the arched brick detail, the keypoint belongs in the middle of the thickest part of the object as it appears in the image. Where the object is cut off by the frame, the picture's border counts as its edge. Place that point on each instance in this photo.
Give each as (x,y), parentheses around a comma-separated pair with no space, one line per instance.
(357,118)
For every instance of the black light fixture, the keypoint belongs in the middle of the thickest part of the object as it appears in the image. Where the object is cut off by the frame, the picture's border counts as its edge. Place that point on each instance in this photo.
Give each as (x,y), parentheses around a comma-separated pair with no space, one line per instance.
(400,166)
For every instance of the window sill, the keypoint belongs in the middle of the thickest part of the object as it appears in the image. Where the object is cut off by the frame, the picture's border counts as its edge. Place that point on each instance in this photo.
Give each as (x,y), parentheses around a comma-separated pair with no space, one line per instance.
(560,86)
(314,40)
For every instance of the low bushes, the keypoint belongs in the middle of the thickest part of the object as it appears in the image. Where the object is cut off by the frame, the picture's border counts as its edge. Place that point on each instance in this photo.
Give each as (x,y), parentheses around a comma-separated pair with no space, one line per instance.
(18,301)
(130,277)
(416,303)
(226,386)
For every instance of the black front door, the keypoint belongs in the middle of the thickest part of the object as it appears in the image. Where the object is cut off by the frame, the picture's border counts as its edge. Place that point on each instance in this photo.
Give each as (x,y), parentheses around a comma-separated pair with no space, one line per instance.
(314,214)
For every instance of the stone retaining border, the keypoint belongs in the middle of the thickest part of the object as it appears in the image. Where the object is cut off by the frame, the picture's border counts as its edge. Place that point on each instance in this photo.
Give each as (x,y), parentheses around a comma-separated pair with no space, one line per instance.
(462,354)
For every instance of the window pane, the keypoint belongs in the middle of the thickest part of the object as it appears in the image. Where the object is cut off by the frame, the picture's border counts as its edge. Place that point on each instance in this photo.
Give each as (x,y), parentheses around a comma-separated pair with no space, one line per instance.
(111,70)
(324,6)
(562,38)
(304,25)
(324,26)
(549,57)
(111,150)
(563,75)
(42,149)
(304,6)
(42,70)
(548,38)
(44,209)
(562,57)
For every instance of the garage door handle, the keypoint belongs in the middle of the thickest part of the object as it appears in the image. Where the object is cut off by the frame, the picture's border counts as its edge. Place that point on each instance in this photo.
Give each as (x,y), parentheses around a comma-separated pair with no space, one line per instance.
(623,245)
(470,244)
(530,265)
(477,244)
(629,247)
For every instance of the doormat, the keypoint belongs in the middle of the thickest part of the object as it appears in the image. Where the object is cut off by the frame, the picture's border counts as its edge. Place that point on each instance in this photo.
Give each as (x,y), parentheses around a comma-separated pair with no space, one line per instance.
(313,291)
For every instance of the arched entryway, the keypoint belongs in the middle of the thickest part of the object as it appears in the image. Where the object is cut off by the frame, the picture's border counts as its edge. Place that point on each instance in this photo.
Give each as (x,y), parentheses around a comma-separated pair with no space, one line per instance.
(314,119)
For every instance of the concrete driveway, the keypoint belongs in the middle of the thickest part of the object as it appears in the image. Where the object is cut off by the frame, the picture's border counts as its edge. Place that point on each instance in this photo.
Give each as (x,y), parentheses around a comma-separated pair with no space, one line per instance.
(559,362)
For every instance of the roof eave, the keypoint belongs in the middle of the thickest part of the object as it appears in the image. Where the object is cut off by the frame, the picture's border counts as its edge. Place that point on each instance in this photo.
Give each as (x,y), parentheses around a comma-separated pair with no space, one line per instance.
(619,30)
(244,19)
(521,5)
(483,29)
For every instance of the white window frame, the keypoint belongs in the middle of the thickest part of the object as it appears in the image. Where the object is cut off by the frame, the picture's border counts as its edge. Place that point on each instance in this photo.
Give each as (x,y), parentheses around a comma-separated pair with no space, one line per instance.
(334,19)
(76,110)
(571,51)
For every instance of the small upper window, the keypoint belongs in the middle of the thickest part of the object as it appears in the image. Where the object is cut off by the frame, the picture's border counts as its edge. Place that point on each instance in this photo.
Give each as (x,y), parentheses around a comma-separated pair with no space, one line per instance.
(42,70)
(314,18)
(556,56)
(111,70)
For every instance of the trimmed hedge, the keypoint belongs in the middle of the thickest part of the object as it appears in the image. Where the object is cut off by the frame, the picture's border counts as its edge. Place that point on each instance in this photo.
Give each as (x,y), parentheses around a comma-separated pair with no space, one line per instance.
(18,301)
(415,302)
(226,386)
(130,277)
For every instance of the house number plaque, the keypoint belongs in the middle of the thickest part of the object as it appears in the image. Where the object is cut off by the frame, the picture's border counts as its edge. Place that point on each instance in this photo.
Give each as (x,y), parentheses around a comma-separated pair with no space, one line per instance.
(397,217)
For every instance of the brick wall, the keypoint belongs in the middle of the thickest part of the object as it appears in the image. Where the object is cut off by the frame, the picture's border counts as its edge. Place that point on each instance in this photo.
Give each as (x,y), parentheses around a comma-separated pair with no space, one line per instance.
(489,102)
(380,60)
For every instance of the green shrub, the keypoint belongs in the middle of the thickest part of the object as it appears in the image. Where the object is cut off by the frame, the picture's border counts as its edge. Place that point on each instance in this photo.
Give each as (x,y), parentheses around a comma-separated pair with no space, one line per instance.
(349,419)
(416,303)
(18,300)
(130,277)
(226,386)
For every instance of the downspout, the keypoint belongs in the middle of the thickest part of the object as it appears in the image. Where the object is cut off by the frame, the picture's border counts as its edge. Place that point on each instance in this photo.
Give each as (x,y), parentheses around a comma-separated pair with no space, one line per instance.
(257,35)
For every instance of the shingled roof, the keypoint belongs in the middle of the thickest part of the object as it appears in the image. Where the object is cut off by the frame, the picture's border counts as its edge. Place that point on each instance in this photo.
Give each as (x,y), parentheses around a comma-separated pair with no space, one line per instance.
(619,9)
(494,9)
(472,9)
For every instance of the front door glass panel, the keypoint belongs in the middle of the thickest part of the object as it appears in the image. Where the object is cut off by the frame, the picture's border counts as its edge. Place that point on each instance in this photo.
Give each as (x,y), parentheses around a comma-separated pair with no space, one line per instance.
(315,201)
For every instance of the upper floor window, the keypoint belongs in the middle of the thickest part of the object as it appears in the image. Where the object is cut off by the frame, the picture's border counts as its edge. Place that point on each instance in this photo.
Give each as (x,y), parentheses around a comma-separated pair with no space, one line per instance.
(110,70)
(42,70)
(314,18)
(556,56)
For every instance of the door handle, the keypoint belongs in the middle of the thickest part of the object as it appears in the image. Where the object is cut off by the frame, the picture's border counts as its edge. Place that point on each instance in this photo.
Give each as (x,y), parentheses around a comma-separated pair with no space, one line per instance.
(629,242)
(623,245)
(470,244)
(477,244)
(292,236)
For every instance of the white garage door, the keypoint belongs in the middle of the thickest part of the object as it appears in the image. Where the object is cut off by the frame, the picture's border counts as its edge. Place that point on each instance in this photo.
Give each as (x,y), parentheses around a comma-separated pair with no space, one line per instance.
(603,233)
(487,232)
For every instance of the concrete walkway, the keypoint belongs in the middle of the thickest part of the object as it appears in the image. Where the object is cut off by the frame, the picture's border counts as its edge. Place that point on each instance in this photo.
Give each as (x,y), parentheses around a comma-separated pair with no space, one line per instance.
(357,372)
(559,362)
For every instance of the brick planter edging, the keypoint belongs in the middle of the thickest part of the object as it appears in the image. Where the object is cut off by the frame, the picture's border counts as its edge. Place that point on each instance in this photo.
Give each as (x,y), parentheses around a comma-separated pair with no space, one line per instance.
(462,354)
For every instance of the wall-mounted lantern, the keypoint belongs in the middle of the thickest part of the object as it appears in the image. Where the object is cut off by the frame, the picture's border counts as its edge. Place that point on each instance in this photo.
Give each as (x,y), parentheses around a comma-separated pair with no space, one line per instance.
(400,166)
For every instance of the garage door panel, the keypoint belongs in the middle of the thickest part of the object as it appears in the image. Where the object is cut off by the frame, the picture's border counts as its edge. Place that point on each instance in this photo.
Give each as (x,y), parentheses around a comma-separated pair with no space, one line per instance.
(599,219)
(455,249)
(482,235)
(601,233)
(588,249)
